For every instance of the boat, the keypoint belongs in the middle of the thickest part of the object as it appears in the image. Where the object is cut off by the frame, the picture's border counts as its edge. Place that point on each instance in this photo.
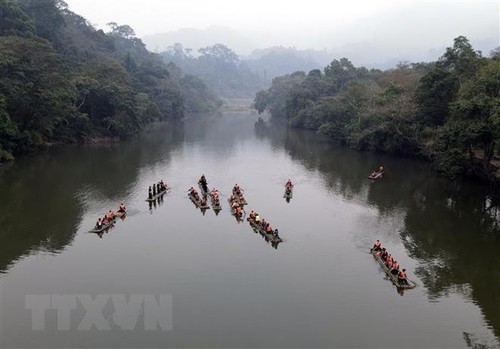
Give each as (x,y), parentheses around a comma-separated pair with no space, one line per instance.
(270,237)
(241,201)
(215,205)
(376,175)
(392,277)
(239,217)
(202,190)
(288,193)
(158,195)
(105,226)
(198,203)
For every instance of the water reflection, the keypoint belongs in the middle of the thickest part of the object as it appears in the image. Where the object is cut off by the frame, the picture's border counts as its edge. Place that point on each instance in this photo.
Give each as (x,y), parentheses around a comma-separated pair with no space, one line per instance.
(451,229)
(51,188)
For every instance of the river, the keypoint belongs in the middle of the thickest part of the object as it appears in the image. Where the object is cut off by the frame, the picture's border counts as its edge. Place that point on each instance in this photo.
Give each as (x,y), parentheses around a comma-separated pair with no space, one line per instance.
(170,276)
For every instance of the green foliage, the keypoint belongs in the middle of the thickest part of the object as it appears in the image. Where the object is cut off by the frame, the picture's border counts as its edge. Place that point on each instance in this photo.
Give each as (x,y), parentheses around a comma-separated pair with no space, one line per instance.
(63,81)
(218,66)
(448,111)
(13,20)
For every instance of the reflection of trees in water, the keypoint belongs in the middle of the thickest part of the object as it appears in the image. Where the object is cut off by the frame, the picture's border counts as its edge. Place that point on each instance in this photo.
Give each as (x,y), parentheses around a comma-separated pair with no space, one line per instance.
(41,210)
(451,229)
(453,232)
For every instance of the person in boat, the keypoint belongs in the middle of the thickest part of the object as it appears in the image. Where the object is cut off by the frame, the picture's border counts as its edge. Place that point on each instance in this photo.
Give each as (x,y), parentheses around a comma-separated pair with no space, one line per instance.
(263,223)
(154,189)
(275,233)
(252,215)
(373,175)
(289,184)
(203,202)
(257,218)
(236,189)
(110,215)
(395,268)
(122,208)
(268,229)
(377,246)
(381,169)
(239,211)
(98,224)
(241,197)
(388,260)
(150,193)
(402,277)
(384,254)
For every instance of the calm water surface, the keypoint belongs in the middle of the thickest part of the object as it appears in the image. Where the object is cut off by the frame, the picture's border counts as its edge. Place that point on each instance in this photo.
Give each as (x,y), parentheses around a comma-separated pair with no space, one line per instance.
(225,286)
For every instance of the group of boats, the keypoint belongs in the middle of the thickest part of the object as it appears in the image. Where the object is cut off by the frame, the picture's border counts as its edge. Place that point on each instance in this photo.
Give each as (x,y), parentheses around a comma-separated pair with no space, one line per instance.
(237,202)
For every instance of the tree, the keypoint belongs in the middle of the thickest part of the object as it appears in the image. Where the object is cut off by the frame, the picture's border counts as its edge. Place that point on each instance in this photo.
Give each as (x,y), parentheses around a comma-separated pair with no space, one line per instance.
(14,21)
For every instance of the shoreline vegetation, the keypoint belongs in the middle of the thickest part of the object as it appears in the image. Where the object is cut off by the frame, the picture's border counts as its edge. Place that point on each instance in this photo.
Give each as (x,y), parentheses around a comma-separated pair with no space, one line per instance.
(62,81)
(446,111)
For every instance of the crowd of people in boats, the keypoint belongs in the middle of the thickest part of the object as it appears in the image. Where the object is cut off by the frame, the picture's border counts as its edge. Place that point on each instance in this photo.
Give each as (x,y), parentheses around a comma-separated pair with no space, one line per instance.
(109,217)
(376,174)
(261,222)
(389,262)
(157,188)
(237,201)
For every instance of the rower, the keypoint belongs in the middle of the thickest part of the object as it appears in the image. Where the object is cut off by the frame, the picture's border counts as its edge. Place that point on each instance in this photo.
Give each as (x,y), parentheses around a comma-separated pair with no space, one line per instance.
(257,218)
(150,194)
(110,215)
(402,277)
(289,184)
(377,246)
(98,224)
(252,215)
(154,189)
(395,268)
(122,208)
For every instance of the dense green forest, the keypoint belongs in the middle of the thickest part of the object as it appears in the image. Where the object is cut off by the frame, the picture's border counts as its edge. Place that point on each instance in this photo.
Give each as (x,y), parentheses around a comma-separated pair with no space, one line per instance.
(447,111)
(61,80)
(218,66)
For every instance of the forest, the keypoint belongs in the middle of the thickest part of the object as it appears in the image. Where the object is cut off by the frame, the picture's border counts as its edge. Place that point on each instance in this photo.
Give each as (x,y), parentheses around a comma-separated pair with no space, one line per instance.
(63,81)
(447,111)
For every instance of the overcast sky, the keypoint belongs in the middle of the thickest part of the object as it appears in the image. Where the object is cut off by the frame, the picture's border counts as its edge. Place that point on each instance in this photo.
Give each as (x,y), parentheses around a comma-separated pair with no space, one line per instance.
(316,24)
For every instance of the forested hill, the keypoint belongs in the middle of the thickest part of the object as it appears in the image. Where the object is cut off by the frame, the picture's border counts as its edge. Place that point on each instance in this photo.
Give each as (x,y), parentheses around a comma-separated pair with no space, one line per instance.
(448,111)
(63,81)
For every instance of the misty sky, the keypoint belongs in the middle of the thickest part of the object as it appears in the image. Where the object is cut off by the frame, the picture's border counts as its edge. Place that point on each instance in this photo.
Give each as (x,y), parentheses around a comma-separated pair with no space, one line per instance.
(319,24)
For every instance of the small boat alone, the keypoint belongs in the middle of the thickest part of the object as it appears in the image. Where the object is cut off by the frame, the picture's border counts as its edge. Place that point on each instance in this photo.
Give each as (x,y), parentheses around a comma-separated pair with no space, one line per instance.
(392,277)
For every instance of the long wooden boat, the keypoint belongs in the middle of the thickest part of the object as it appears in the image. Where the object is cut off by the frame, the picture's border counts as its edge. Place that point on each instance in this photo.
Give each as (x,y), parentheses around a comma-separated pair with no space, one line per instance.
(377,175)
(259,229)
(233,211)
(158,195)
(241,201)
(288,193)
(202,190)
(198,203)
(392,277)
(110,223)
(215,205)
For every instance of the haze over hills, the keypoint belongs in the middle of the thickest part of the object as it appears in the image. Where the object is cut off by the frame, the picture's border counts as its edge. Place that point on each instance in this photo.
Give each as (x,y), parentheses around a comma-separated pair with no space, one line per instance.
(361,53)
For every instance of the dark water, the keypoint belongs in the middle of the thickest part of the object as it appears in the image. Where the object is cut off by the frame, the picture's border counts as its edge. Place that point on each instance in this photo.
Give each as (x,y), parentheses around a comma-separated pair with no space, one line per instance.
(221,284)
